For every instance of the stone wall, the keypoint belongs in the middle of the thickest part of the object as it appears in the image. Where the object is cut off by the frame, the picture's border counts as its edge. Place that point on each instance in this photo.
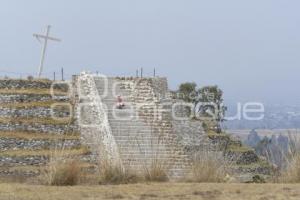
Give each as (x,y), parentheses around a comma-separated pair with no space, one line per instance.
(31,160)
(34,112)
(92,120)
(153,97)
(160,87)
(36,144)
(38,128)
(191,135)
(33,101)
(27,84)
(16,98)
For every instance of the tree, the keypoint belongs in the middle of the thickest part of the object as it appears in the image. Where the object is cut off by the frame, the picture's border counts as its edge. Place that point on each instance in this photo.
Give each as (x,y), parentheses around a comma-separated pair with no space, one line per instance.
(210,99)
(30,78)
(187,91)
(208,102)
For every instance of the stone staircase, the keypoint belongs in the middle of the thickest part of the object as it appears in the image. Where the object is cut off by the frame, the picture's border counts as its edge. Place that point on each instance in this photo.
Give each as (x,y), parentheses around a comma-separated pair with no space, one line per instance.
(142,129)
(144,132)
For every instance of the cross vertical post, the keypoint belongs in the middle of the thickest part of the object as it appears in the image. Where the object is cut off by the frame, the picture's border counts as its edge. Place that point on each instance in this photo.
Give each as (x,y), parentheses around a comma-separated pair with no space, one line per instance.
(46,38)
(62,74)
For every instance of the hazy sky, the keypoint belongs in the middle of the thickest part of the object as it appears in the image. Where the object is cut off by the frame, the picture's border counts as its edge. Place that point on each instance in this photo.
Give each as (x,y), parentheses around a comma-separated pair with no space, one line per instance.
(251,49)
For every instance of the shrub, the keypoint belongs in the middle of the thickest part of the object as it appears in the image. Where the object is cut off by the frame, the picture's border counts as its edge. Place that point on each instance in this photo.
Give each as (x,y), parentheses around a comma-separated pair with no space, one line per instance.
(116,174)
(209,166)
(62,173)
(156,172)
(291,172)
(61,168)
(257,179)
(30,78)
(67,174)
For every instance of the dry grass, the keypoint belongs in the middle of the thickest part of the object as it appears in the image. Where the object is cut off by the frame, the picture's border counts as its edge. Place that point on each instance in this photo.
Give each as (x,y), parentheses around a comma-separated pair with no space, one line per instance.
(33,104)
(62,168)
(209,167)
(157,191)
(33,120)
(40,91)
(291,174)
(156,169)
(45,152)
(33,135)
(116,174)
(67,173)
(156,172)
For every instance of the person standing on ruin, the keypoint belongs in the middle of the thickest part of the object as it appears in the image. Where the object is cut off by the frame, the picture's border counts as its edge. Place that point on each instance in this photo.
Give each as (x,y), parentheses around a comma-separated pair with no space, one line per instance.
(120,103)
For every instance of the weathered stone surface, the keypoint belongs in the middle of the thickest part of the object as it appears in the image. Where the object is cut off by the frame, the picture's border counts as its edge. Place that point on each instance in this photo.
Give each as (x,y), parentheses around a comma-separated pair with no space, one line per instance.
(34,112)
(243,158)
(36,144)
(19,173)
(24,98)
(40,128)
(29,84)
(10,161)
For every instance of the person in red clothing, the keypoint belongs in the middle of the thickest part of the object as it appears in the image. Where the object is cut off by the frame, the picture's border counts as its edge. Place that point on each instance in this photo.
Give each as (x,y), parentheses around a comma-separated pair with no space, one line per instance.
(120,103)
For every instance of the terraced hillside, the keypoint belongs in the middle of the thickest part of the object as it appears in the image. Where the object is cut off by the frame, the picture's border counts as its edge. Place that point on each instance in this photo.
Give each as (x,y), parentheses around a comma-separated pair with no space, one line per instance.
(39,119)
(35,122)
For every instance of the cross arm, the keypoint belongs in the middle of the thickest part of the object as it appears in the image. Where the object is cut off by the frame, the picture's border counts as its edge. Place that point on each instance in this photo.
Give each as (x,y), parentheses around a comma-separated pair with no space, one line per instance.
(45,37)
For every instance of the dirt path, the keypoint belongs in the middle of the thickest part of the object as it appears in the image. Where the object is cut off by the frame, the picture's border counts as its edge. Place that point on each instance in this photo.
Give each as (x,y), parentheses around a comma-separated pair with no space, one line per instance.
(153,191)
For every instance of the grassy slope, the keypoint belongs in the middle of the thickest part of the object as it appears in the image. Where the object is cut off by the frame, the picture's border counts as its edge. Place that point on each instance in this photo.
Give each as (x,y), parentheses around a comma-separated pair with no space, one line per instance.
(153,191)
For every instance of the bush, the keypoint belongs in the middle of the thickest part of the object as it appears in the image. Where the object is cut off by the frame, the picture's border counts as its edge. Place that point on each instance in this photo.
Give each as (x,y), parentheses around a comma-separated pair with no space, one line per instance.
(62,173)
(156,172)
(258,179)
(67,174)
(116,174)
(209,167)
(30,78)
(61,169)
(291,174)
